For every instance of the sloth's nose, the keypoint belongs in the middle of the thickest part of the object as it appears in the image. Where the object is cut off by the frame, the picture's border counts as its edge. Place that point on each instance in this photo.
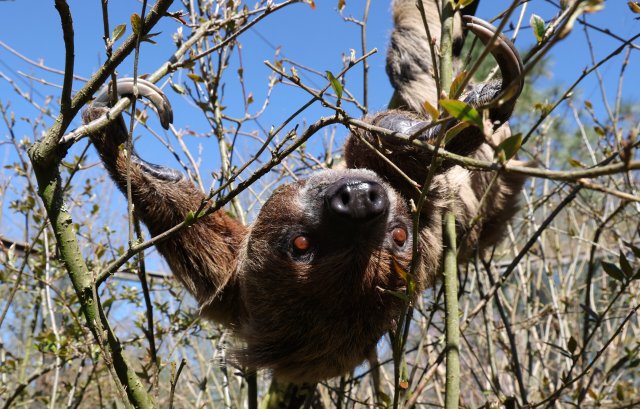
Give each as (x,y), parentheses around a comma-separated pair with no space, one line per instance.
(357,200)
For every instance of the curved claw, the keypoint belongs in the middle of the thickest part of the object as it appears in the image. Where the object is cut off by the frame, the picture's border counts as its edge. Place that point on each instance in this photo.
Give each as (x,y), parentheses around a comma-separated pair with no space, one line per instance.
(499,96)
(146,89)
(401,123)
(409,125)
(508,59)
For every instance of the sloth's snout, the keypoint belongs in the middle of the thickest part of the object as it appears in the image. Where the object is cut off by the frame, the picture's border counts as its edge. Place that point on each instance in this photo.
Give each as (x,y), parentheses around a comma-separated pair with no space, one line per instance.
(357,200)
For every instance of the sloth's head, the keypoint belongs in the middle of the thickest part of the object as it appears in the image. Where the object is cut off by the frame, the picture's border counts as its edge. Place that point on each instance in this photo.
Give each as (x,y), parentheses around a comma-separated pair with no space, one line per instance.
(335,228)
(326,259)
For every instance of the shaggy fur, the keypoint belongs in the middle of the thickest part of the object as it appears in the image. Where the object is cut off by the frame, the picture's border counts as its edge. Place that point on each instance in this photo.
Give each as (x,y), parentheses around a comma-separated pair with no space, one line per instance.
(316,313)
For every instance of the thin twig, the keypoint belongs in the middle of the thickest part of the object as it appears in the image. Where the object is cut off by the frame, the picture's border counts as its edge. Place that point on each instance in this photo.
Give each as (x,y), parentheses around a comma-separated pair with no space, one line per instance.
(174,380)
(452,334)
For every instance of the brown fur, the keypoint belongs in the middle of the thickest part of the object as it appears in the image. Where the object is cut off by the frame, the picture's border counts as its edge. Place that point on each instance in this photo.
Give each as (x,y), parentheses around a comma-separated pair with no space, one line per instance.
(317,315)
(321,318)
(202,256)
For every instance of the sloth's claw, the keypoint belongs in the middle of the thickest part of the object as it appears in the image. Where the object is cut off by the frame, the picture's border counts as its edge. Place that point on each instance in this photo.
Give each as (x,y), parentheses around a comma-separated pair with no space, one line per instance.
(508,59)
(147,90)
(118,131)
(399,122)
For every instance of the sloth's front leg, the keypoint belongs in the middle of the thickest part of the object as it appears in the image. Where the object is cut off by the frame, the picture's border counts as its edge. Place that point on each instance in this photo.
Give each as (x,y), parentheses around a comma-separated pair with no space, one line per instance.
(203,256)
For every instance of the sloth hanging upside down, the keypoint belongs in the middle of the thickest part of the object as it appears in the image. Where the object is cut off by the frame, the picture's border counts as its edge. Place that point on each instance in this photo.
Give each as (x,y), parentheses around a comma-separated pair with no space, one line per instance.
(309,285)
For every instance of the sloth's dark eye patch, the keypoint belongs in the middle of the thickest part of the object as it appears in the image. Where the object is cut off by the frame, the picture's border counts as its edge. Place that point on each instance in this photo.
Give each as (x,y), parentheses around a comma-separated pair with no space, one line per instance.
(399,236)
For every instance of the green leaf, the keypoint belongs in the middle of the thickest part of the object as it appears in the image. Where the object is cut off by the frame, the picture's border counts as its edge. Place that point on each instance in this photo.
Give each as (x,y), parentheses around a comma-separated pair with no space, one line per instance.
(613,271)
(455,84)
(335,84)
(100,250)
(454,131)
(148,38)
(593,316)
(431,110)
(544,108)
(464,3)
(636,250)
(177,88)
(106,304)
(576,163)
(625,265)
(118,32)
(190,217)
(384,399)
(462,111)
(537,24)
(136,23)
(599,131)
(511,145)
(195,77)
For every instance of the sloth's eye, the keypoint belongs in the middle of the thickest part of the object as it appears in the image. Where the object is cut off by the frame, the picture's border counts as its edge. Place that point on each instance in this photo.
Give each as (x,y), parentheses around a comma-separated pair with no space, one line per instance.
(399,236)
(301,244)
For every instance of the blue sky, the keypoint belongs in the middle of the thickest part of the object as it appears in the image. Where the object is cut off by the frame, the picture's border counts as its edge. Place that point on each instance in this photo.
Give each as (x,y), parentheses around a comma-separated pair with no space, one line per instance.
(315,38)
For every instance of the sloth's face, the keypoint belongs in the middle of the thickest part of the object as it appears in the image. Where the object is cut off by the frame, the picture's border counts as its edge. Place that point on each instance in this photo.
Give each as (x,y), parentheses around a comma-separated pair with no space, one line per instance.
(322,261)
(334,228)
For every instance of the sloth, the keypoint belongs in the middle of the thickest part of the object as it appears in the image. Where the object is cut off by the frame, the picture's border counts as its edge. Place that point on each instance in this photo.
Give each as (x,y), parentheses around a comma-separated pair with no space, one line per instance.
(311,286)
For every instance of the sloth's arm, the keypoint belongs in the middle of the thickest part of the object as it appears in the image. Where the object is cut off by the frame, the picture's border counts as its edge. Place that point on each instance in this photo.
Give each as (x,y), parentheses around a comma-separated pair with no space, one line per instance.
(409,63)
(203,256)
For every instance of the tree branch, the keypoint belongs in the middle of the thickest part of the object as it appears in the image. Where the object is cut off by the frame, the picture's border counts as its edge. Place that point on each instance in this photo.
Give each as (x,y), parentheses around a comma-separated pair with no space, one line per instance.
(67,33)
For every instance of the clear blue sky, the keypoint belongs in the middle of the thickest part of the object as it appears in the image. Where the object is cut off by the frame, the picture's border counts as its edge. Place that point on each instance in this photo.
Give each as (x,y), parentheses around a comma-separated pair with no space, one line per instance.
(315,38)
